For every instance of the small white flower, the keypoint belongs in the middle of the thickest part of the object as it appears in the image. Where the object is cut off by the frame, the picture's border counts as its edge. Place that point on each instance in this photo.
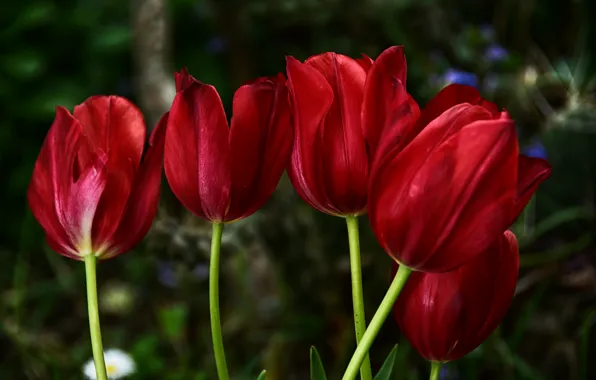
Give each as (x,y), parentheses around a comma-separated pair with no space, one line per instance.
(118,365)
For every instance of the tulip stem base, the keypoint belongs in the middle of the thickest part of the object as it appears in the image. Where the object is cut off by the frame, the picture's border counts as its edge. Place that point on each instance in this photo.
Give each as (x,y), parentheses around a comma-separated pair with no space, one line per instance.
(218,347)
(435,370)
(357,294)
(377,322)
(93,309)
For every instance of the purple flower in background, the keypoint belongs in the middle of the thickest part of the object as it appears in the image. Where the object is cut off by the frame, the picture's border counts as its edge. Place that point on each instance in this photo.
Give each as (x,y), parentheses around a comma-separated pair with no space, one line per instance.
(460,77)
(166,274)
(201,271)
(447,374)
(169,277)
(496,53)
(535,149)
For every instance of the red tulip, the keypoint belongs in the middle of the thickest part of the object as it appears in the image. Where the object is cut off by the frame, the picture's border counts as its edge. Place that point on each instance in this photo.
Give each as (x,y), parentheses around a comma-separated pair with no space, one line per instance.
(224,174)
(90,190)
(334,101)
(447,315)
(455,186)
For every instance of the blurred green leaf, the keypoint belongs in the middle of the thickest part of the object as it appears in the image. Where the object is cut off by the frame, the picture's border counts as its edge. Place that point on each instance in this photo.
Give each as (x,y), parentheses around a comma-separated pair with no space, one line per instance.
(387,367)
(526,318)
(317,371)
(45,100)
(556,220)
(401,361)
(262,375)
(512,359)
(555,254)
(173,320)
(24,65)
(115,37)
(145,350)
(34,15)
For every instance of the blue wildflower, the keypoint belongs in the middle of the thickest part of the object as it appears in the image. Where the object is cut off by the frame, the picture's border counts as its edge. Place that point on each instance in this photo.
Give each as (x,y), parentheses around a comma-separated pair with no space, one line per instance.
(166,274)
(535,149)
(460,77)
(496,53)
(447,374)
(201,271)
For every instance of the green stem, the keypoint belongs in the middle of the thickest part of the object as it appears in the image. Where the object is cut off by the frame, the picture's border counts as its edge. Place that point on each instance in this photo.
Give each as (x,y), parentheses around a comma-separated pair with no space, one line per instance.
(377,321)
(218,348)
(357,295)
(435,370)
(94,326)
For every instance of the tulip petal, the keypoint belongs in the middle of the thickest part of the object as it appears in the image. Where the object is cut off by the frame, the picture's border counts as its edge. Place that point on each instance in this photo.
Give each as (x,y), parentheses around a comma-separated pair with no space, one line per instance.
(181,156)
(450,96)
(113,125)
(427,310)
(311,97)
(488,297)
(183,79)
(66,251)
(365,62)
(142,206)
(51,177)
(345,160)
(260,143)
(400,127)
(386,104)
(454,198)
(531,172)
(392,175)
(81,203)
(111,205)
(487,194)
(197,152)
(447,315)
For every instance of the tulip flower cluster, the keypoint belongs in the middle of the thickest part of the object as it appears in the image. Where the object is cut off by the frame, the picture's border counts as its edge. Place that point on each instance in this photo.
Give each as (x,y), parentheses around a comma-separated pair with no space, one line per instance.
(441,185)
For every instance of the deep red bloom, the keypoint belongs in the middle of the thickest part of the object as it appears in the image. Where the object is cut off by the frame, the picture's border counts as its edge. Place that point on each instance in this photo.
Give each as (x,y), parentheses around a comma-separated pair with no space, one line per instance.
(453,186)
(447,315)
(224,174)
(90,190)
(336,130)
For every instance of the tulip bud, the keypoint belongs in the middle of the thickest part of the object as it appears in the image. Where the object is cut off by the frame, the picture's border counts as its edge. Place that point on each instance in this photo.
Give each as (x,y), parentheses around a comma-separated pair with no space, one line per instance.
(90,190)
(224,174)
(455,187)
(339,107)
(447,315)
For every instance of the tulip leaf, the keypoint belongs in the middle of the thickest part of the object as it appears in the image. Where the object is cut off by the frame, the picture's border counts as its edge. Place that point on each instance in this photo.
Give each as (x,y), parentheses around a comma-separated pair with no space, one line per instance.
(555,220)
(555,254)
(387,367)
(262,375)
(317,371)
(510,358)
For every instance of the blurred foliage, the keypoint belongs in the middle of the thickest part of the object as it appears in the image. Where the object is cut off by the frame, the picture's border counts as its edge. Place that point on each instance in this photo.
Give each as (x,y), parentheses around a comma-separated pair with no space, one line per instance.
(285,280)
